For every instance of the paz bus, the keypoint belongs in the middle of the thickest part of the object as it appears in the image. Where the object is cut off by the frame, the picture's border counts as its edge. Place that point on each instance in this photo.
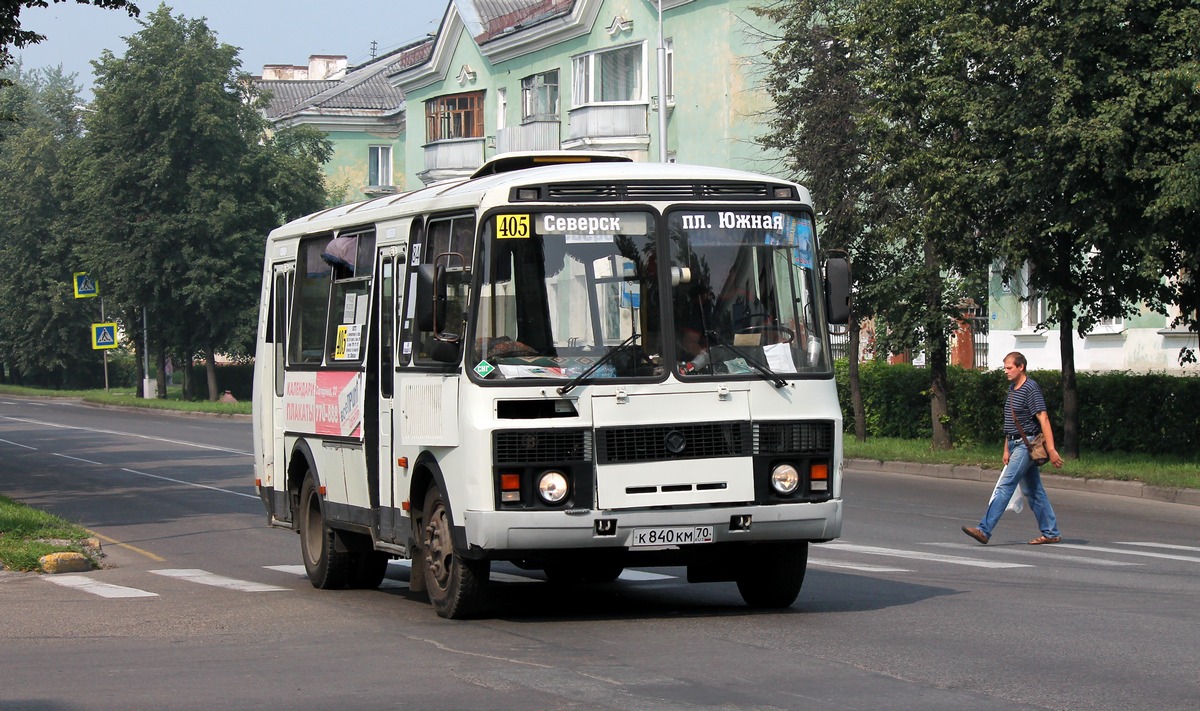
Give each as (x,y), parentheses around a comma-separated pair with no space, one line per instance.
(568,362)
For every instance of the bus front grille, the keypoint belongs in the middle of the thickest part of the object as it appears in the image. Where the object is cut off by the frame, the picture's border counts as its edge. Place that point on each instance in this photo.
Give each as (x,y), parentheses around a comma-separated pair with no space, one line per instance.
(793,437)
(618,445)
(524,446)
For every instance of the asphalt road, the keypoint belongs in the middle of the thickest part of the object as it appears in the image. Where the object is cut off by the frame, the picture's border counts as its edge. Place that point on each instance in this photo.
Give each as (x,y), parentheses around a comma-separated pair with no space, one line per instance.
(204,606)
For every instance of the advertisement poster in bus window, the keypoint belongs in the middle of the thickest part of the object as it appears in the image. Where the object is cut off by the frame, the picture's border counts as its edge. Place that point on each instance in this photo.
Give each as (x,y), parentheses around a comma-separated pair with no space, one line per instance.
(325,403)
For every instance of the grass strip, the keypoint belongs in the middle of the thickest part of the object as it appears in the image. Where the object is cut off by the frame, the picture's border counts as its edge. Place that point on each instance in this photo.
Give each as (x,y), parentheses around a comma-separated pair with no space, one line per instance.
(27,534)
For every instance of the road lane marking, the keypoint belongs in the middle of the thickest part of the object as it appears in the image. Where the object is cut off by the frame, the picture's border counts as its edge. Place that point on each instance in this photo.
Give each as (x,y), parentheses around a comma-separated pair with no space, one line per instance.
(864,567)
(18,444)
(1159,545)
(168,440)
(921,555)
(77,459)
(190,483)
(1043,554)
(203,577)
(1122,551)
(135,549)
(95,587)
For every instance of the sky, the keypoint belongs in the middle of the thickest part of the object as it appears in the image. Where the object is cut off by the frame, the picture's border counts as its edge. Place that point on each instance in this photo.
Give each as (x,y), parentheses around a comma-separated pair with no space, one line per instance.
(267,31)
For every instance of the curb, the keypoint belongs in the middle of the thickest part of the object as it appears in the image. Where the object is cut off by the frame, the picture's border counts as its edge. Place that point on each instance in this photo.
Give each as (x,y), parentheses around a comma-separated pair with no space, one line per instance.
(1112,487)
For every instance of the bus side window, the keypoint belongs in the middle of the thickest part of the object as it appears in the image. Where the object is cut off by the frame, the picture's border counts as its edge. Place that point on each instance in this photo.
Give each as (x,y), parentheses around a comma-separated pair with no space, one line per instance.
(416,240)
(387,325)
(277,327)
(450,245)
(350,298)
(310,302)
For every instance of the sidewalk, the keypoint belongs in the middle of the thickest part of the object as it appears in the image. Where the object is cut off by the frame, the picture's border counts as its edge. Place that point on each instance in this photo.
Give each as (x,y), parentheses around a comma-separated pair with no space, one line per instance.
(1134,489)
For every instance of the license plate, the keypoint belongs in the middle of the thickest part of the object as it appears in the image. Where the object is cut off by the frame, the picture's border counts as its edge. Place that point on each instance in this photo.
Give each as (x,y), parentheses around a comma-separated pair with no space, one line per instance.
(672,536)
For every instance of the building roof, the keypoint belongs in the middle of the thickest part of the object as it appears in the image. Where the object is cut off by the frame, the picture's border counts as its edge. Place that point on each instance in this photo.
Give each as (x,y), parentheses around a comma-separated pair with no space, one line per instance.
(363,93)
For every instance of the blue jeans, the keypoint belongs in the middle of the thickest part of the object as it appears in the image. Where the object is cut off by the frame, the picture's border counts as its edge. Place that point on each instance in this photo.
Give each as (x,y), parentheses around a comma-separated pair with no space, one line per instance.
(1021,470)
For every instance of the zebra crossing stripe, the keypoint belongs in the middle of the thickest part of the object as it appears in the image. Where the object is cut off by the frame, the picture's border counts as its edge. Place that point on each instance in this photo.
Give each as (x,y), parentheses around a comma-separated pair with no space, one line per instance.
(1170,546)
(95,587)
(1122,551)
(864,567)
(1042,553)
(921,555)
(203,577)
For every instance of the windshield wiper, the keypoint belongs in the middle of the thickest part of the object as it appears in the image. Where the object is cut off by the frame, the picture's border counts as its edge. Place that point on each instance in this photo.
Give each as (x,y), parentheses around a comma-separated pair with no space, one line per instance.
(767,374)
(579,379)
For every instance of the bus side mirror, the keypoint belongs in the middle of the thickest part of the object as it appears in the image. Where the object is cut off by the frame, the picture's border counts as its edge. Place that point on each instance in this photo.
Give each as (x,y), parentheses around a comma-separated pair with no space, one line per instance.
(431,298)
(837,290)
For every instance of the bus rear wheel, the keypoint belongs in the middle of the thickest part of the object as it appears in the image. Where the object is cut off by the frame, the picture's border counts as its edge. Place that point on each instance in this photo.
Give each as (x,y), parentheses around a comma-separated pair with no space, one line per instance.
(456,585)
(771,574)
(327,568)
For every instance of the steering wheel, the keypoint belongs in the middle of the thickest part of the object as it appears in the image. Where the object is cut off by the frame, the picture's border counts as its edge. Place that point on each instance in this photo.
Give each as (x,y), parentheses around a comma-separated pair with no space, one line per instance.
(743,326)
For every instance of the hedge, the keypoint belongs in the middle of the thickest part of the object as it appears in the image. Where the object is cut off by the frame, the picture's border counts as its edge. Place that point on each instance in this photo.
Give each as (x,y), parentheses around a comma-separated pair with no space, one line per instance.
(1166,419)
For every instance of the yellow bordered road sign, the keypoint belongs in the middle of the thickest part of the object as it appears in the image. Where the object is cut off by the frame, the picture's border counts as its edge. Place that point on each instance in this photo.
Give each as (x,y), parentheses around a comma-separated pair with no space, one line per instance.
(86,287)
(104,335)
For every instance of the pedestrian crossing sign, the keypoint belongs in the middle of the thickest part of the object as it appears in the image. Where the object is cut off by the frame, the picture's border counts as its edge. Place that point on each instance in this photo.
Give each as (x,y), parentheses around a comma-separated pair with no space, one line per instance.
(104,335)
(86,286)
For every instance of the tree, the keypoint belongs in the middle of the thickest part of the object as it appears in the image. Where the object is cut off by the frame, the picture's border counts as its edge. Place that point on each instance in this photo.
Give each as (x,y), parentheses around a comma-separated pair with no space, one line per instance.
(1084,132)
(812,81)
(43,329)
(183,184)
(11,34)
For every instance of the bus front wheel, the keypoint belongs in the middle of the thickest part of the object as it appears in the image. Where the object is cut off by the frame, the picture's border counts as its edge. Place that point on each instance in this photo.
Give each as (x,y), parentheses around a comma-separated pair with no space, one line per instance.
(456,586)
(771,574)
(327,568)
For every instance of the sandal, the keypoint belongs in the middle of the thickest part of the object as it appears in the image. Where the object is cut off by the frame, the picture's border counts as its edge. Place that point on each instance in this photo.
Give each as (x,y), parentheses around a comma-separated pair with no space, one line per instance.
(1041,540)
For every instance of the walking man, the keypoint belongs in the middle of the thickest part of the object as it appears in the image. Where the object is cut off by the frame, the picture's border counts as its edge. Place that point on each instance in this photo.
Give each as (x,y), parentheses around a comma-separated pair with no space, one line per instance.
(1027,405)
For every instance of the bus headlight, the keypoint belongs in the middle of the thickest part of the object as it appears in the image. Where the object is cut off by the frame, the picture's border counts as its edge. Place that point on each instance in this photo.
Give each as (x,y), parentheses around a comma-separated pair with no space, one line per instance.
(552,486)
(785,479)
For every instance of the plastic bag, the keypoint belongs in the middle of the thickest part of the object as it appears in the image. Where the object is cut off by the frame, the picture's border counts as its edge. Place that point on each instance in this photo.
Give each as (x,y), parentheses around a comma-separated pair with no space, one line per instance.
(1016,503)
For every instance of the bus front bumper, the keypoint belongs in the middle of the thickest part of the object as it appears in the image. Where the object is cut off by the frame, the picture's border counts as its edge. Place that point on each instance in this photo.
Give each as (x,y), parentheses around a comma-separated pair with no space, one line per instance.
(558,530)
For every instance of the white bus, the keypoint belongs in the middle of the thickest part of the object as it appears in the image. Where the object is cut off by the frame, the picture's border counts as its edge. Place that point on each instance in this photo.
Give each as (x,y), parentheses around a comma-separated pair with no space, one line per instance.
(569,362)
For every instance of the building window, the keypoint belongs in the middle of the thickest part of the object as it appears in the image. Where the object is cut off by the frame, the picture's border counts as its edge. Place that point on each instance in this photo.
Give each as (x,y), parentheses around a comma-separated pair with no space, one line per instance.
(610,76)
(379,168)
(539,96)
(1032,303)
(501,108)
(455,116)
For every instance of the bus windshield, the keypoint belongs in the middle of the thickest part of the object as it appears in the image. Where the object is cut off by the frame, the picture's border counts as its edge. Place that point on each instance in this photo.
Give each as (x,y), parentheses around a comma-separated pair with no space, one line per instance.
(743,296)
(561,290)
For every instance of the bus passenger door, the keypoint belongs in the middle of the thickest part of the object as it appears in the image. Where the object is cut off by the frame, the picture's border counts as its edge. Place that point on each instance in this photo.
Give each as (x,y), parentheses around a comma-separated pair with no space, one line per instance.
(275,476)
(390,265)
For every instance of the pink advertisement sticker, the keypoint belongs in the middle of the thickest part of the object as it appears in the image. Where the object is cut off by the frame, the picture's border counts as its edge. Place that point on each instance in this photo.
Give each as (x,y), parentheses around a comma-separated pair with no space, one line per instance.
(328,403)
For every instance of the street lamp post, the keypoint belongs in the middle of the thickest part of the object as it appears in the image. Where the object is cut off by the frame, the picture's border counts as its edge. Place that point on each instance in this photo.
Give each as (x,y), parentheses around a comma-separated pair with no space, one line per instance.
(662,89)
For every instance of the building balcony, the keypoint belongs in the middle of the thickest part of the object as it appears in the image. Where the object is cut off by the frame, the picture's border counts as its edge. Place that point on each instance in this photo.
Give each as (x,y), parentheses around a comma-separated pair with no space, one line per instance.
(532,135)
(615,127)
(454,158)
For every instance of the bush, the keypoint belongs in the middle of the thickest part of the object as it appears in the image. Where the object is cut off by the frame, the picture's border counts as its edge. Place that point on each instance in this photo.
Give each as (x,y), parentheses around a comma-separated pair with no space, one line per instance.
(896,404)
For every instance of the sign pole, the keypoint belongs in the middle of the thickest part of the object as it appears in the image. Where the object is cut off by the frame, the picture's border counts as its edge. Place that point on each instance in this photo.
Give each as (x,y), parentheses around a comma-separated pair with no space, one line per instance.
(105,351)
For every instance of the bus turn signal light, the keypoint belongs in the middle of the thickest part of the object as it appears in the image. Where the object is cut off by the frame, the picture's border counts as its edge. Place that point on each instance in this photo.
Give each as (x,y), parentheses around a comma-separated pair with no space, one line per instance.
(510,487)
(819,476)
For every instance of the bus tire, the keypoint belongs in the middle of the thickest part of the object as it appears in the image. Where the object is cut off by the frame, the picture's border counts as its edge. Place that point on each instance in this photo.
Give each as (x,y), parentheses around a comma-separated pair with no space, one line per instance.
(456,586)
(327,568)
(771,574)
(368,569)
